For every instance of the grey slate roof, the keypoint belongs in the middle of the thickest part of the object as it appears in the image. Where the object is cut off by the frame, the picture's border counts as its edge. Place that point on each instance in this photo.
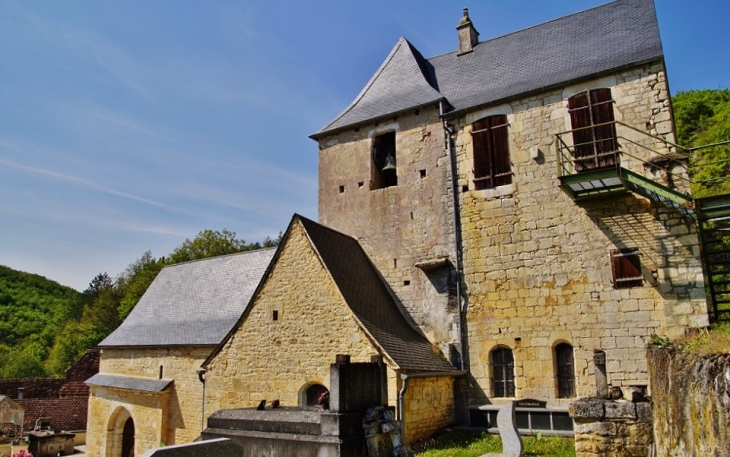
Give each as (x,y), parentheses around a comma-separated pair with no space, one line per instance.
(129,382)
(617,35)
(368,296)
(194,303)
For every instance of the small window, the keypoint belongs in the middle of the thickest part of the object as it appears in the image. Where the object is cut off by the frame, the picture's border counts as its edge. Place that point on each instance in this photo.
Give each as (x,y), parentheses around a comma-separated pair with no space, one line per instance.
(491,152)
(503,372)
(626,268)
(384,161)
(313,394)
(566,372)
(594,133)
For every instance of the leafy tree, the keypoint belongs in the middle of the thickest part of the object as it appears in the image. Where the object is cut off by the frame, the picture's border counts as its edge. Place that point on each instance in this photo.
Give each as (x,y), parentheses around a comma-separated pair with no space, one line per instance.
(702,117)
(210,243)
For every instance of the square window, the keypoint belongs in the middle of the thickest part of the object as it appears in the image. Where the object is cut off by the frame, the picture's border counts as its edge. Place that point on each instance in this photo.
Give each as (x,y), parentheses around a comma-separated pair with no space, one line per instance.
(626,268)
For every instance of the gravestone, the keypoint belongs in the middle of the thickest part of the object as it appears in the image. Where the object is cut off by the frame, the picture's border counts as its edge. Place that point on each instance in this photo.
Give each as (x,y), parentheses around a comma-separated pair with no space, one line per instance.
(511,439)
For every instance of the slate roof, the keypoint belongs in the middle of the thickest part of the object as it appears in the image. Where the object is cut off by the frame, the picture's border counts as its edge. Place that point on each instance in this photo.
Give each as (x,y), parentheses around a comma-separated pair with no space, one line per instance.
(369,298)
(129,382)
(606,38)
(194,303)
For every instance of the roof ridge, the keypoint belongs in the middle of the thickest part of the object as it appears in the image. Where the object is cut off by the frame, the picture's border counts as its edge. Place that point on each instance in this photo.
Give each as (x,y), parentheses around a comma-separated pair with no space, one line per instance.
(370,83)
(219,256)
(325,227)
(541,24)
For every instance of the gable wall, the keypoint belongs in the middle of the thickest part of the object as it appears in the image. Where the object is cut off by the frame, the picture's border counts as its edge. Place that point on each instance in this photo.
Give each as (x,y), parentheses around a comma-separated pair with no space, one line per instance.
(400,225)
(267,359)
(537,264)
(180,422)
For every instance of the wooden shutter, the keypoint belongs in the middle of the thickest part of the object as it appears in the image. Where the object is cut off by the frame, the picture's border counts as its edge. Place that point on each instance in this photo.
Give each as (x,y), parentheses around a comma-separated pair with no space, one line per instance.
(594,147)
(503,368)
(490,142)
(566,371)
(626,268)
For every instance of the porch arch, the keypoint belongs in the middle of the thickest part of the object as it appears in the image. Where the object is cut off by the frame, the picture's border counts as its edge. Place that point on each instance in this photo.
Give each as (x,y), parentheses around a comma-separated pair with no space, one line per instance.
(120,435)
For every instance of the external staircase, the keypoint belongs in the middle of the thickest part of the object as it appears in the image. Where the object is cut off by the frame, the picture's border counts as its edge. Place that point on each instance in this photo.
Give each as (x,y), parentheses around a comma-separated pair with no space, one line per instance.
(665,173)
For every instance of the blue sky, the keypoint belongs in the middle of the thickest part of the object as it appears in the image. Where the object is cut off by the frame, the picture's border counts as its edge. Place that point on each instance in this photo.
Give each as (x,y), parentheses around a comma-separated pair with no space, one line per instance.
(131,126)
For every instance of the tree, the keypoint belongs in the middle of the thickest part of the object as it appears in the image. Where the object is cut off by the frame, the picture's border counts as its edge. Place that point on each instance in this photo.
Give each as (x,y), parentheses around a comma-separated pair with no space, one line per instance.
(702,117)
(210,243)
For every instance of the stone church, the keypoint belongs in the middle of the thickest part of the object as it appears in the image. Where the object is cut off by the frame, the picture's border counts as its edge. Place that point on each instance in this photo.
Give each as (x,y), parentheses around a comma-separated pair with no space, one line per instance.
(506,220)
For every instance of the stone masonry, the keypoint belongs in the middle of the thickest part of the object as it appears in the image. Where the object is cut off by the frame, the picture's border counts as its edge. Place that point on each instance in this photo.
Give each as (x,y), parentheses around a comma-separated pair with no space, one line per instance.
(537,271)
(173,416)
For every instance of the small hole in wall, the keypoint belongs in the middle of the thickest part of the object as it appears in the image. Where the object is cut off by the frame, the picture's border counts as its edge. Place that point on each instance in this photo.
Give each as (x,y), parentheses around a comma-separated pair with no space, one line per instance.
(395,263)
(360,184)
(357,129)
(422,173)
(465,188)
(162,370)
(342,189)
(275,315)
(411,215)
(406,283)
(417,112)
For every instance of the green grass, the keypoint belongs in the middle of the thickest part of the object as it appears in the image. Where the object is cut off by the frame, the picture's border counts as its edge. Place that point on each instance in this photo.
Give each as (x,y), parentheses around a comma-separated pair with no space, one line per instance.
(716,340)
(473,444)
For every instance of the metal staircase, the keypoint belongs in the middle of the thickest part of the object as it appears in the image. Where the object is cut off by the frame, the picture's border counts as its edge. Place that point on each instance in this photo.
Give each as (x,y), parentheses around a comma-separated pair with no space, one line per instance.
(675,166)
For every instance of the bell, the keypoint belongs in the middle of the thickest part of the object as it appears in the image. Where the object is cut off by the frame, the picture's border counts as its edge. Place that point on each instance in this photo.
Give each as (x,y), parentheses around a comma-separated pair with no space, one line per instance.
(389,163)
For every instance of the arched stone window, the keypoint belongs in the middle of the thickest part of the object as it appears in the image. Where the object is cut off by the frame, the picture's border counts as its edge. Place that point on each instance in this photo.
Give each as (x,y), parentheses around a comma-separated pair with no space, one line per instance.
(310,393)
(565,370)
(503,372)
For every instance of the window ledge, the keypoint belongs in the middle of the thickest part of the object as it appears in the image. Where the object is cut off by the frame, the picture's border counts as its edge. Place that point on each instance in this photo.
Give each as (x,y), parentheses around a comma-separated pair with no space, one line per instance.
(497,192)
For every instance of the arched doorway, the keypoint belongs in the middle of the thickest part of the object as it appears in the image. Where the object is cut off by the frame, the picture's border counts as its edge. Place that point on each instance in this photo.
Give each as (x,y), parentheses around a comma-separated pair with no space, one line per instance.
(120,433)
(128,438)
(309,394)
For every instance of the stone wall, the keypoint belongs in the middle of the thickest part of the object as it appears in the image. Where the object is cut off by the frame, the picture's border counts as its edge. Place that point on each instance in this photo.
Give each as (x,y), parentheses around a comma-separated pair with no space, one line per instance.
(181,420)
(612,428)
(691,402)
(277,358)
(429,406)
(402,225)
(537,264)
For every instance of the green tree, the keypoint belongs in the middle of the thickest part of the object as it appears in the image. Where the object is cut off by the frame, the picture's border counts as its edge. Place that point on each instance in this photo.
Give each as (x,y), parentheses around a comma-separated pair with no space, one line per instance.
(702,117)
(210,243)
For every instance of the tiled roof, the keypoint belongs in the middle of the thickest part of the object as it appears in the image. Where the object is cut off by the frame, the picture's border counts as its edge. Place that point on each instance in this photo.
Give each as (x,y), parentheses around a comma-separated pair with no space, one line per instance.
(194,303)
(129,382)
(67,414)
(602,39)
(370,299)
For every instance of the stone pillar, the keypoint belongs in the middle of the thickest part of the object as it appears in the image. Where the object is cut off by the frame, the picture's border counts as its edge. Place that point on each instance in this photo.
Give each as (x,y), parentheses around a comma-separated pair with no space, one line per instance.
(606,428)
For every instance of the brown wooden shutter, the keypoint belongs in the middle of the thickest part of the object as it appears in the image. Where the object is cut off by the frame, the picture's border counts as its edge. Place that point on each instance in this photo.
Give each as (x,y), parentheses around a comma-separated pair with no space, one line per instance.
(593,147)
(626,267)
(490,142)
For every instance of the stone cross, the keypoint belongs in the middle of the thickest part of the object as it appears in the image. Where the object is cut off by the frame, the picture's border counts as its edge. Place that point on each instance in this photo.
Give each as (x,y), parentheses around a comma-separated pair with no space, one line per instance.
(511,439)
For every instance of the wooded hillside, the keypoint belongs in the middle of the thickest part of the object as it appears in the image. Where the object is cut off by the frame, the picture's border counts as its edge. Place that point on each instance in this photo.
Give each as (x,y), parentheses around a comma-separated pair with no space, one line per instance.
(45,327)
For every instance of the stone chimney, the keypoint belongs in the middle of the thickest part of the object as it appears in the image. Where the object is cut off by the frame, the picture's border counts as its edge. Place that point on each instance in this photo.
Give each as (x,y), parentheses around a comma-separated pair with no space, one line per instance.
(468,35)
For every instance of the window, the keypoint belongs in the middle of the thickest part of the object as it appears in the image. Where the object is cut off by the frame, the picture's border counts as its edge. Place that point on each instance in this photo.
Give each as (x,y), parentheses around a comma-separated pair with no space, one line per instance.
(626,268)
(491,152)
(566,373)
(313,393)
(503,372)
(594,147)
(384,161)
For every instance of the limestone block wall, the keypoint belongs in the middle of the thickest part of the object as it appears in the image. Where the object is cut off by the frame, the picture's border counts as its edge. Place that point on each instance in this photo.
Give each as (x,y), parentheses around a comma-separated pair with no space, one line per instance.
(109,409)
(181,420)
(429,406)
(537,265)
(271,357)
(610,428)
(402,225)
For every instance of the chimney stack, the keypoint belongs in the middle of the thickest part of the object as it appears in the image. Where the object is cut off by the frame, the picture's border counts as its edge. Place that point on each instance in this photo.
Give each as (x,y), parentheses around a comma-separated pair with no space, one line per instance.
(468,35)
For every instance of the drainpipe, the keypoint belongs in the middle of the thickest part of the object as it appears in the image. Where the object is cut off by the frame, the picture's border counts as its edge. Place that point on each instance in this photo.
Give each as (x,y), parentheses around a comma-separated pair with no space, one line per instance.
(201,378)
(457,231)
(402,393)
